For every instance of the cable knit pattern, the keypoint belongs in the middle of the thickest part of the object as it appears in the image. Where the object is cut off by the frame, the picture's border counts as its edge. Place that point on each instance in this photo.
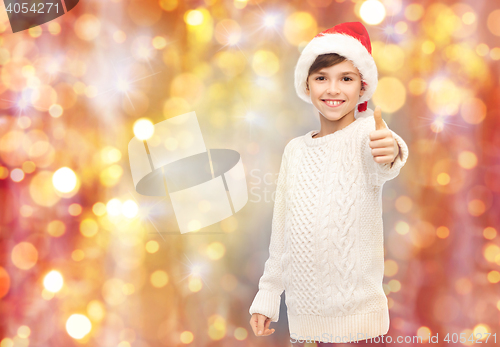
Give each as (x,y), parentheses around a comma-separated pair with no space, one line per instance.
(327,244)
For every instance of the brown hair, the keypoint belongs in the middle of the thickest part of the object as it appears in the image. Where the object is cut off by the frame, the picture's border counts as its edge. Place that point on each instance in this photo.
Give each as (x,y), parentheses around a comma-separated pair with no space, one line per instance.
(327,60)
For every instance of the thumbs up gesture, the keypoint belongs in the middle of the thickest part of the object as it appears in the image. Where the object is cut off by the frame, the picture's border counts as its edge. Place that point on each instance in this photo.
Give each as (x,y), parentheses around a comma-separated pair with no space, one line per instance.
(385,148)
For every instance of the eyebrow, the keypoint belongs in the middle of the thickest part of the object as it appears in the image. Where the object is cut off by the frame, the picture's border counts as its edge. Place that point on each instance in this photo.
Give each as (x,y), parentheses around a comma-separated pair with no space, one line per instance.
(341,74)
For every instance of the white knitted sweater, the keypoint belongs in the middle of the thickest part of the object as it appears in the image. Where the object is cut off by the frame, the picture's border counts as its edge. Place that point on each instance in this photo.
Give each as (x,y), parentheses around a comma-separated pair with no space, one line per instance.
(327,244)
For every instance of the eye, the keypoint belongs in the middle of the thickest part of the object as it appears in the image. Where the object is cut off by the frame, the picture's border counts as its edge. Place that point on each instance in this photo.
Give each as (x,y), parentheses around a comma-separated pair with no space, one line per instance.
(319,77)
(347,78)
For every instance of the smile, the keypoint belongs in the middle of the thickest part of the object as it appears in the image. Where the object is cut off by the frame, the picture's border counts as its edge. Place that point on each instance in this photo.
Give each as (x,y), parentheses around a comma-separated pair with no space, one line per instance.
(331,103)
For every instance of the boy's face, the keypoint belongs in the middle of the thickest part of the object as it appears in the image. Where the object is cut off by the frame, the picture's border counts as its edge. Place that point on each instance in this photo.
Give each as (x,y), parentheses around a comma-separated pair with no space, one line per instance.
(338,82)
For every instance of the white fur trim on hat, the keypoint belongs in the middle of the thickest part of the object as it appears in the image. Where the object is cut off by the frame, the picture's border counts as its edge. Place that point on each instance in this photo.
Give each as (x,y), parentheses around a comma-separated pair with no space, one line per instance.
(344,45)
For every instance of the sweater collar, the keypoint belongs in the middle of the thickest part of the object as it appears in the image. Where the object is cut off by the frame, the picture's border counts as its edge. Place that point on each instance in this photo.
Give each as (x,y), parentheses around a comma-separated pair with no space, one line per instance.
(312,141)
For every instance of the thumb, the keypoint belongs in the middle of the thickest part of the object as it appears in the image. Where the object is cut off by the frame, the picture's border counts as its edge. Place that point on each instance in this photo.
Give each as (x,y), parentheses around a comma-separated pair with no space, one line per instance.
(377,114)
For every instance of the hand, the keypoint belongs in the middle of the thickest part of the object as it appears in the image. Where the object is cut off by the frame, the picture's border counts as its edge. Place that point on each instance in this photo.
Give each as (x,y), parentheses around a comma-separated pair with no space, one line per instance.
(384,147)
(260,323)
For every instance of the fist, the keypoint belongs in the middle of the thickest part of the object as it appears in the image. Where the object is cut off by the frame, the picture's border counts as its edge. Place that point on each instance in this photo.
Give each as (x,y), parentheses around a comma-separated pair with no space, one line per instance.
(260,325)
(384,147)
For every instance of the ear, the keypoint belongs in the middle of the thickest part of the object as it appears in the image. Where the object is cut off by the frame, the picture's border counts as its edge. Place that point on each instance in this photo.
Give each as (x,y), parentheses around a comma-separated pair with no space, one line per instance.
(308,92)
(361,92)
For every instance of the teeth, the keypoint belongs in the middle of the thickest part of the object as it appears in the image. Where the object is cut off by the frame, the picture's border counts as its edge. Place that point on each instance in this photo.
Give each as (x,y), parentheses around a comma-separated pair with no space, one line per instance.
(333,103)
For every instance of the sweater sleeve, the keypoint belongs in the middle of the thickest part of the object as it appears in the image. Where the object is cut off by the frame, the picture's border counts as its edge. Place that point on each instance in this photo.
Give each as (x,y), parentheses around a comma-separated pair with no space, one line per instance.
(268,298)
(379,173)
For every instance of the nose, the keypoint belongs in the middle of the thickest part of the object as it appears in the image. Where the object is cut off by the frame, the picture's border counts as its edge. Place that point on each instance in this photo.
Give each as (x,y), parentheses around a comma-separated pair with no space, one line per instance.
(333,88)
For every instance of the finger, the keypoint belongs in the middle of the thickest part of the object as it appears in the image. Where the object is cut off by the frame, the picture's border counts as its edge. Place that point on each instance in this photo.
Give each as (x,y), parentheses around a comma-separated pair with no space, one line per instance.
(383,159)
(260,324)
(253,323)
(377,114)
(267,331)
(379,134)
(382,143)
(376,152)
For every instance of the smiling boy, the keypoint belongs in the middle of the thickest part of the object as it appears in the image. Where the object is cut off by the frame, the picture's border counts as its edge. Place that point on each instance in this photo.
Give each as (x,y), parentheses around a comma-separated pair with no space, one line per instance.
(326,248)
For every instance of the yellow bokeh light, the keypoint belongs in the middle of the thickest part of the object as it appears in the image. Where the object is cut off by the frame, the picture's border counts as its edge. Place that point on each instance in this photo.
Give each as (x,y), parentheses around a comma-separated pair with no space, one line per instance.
(143,129)
(56,228)
(23,332)
(490,252)
(186,337)
(443,97)
(265,63)
(394,285)
(482,49)
(96,310)
(215,250)
(119,36)
(442,232)
(493,22)
(152,246)
(402,228)
(482,331)
(88,227)
(75,209)
(78,325)
(99,209)
(130,209)
(87,27)
(428,47)
(194,225)
(159,279)
(473,110)
(78,255)
(17,175)
(467,159)
(300,27)
(64,180)
(493,276)
(56,110)
(495,53)
(217,327)
(159,42)
(228,32)
(110,154)
(111,175)
(53,281)
(168,5)
(424,332)
(195,284)
(114,207)
(193,17)
(24,255)
(413,12)
(240,333)
(390,94)
(401,27)
(389,58)
(240,4)
(417,86)
(372,12)
(443,178)
(489,233)
(469,18)
(390,268)
(476,207)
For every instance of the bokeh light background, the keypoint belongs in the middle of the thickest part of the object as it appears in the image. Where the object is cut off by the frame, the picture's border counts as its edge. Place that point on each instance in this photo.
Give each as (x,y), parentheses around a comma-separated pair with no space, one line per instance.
(86,261)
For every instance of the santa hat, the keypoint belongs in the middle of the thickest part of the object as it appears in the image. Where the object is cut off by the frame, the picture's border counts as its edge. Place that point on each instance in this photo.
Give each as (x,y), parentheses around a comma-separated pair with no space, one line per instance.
(349,40)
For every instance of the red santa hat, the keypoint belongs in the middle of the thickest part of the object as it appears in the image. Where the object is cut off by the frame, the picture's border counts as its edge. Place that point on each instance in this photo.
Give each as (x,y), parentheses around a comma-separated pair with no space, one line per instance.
(350,40)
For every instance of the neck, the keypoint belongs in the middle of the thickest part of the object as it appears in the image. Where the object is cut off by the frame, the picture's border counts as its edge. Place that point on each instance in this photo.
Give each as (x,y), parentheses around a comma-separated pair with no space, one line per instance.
(331,126)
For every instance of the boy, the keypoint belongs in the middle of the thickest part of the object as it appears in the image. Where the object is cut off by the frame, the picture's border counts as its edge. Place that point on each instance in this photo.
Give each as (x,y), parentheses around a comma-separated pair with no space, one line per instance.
(327,245)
